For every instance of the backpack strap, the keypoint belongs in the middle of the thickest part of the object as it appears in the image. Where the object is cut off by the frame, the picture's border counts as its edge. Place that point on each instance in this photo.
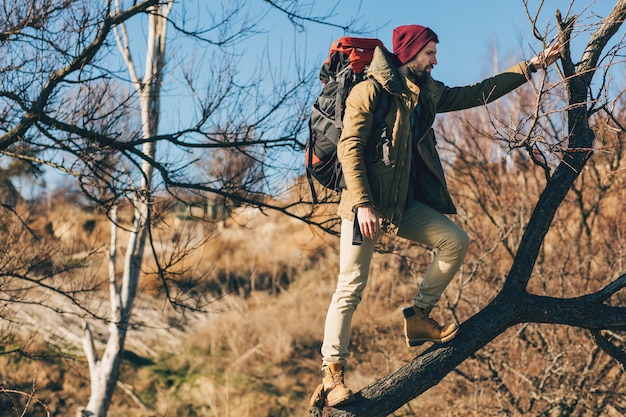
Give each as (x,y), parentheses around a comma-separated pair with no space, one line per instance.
(382,108)
(343,82)
(382,102)
(309,163)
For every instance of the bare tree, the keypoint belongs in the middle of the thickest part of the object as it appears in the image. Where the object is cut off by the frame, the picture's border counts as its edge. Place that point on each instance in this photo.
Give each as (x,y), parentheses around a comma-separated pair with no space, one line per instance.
(66,103)
(534,369)
(104,370)
(515,303)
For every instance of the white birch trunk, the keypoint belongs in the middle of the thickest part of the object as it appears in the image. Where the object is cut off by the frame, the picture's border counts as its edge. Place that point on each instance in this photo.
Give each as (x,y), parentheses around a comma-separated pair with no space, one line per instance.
(104,371)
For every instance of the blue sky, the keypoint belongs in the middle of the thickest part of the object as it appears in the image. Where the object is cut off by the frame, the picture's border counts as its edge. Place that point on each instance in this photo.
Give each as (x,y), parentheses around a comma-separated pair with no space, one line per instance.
(469,31)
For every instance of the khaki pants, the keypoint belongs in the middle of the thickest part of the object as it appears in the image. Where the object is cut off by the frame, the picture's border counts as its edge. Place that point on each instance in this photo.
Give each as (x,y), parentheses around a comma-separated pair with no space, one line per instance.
(420,223)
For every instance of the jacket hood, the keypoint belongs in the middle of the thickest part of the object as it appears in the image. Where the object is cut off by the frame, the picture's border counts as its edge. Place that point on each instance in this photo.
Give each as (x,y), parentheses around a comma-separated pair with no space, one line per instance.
(385,72)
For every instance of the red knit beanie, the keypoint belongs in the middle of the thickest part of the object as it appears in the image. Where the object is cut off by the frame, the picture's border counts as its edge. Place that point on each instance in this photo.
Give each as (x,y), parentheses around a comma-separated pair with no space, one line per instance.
(408,40)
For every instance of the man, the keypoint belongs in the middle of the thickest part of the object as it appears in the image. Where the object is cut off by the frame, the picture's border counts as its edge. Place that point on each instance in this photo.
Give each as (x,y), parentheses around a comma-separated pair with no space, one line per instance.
(405,194)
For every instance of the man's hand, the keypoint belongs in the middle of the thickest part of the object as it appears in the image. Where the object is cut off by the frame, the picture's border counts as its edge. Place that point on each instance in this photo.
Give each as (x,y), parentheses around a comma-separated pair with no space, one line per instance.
(546,58)
(368,221)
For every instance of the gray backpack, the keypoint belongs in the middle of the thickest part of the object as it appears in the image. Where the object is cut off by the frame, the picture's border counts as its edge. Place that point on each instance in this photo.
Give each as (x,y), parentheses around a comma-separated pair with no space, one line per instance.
(345,67)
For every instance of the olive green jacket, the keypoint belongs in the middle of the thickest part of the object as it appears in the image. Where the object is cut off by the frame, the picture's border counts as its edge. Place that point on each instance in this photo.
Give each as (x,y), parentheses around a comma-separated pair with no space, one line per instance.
(369,180)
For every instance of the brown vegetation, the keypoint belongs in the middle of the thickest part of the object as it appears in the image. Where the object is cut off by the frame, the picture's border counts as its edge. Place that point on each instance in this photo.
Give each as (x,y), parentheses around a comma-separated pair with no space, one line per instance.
(254,349)
(251,346)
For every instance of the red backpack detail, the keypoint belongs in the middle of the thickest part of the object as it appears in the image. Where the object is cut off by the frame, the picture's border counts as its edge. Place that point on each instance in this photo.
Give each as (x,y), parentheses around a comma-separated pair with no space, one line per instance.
(359,51)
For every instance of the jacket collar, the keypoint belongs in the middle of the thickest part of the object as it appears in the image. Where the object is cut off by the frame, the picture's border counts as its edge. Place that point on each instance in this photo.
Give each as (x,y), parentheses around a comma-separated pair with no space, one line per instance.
(384,71)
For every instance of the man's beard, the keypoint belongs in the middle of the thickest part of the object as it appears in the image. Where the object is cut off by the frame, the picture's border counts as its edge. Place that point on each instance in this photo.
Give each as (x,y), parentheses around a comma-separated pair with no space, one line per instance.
(418,76)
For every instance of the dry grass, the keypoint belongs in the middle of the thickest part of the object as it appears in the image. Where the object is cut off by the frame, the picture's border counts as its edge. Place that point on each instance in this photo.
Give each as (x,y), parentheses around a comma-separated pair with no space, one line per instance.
(255,352)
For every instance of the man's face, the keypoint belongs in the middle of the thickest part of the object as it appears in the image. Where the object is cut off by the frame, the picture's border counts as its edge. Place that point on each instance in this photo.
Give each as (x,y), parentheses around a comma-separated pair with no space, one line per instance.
(421,65)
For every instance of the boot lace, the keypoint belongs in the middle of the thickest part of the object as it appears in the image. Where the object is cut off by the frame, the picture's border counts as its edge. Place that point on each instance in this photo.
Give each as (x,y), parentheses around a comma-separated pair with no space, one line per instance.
(425,316)
(337,378)
(433,323)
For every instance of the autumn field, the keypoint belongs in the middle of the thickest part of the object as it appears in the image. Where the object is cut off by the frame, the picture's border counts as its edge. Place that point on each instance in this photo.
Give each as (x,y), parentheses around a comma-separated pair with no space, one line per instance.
(251,345)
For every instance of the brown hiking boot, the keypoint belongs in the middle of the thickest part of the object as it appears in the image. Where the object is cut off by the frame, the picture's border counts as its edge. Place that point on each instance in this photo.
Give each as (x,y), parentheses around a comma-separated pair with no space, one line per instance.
(419,328)
(332,390)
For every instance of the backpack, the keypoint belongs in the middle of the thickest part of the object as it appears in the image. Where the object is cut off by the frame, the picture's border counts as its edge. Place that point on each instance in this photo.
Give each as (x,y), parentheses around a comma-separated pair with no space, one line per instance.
(343,69)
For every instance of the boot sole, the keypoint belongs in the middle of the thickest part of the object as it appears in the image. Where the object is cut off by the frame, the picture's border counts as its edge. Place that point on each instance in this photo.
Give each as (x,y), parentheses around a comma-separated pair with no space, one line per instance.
(318,399)
(340,401)
(419,342)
